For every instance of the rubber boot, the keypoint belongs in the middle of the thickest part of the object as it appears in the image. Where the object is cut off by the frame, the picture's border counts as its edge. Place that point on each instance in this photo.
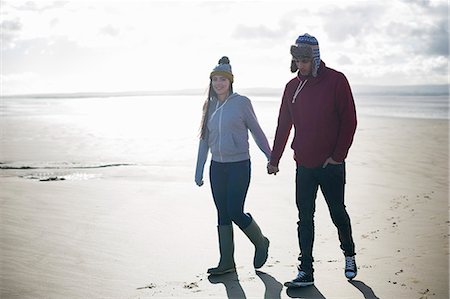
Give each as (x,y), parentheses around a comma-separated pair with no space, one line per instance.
(226,248)
(261,243)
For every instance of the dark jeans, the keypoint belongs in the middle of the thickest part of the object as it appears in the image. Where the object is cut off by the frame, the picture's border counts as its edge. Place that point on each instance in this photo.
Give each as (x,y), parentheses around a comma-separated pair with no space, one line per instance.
(229,185)
(331,181)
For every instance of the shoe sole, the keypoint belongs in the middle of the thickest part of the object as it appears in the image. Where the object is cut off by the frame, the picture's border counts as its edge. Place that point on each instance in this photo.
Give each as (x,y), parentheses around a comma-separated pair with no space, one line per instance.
(291,284)
(350,277)
(222,272)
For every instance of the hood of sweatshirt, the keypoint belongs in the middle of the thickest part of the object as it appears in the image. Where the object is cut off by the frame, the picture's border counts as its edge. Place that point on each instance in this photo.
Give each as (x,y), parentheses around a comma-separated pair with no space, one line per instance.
(321,72)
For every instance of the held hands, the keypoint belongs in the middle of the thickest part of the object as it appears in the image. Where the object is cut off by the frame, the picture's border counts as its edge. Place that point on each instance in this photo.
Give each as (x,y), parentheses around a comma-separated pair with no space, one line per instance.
(199,181)
(330,161)
(272,169)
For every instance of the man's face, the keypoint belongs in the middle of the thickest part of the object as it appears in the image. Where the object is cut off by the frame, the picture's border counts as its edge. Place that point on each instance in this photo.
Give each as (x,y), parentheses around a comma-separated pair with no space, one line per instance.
(304,65)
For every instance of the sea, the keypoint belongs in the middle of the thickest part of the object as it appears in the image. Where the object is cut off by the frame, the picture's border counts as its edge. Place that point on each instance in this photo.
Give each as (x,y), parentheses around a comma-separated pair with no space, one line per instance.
(64,137)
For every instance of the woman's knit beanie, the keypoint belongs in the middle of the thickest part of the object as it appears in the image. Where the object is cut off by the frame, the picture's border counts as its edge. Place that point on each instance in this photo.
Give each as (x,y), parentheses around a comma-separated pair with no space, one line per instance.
(223,69)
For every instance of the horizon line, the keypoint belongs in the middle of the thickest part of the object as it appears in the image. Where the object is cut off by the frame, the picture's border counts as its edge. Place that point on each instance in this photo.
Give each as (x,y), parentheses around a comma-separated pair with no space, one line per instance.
(413,89)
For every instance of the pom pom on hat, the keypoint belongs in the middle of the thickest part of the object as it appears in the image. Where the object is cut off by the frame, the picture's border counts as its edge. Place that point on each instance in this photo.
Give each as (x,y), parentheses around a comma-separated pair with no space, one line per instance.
(223,69)
(306,46)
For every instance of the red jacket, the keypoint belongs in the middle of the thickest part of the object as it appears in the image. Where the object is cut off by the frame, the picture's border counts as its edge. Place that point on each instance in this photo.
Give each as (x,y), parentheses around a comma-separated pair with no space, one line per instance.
(324,117)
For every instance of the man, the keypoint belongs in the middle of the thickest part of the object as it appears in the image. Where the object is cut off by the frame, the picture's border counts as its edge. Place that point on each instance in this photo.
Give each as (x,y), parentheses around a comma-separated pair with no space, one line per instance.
(318,102)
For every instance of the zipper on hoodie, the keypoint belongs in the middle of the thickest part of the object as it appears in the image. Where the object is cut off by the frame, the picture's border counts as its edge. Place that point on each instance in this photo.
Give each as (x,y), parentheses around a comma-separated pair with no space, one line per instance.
(220,124)
(220,135)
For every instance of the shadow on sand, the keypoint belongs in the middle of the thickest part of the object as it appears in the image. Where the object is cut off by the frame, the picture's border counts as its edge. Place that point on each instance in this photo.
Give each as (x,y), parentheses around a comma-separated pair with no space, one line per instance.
(312,292)
(309,292)
(363,288)
(231,282)
(273,286)
(234,289)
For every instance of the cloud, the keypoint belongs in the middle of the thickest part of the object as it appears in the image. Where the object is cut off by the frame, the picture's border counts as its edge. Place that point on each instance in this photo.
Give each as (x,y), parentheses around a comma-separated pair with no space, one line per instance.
(10,30)
(11,25)
(35,7)
(110,30)
(421,38)
(423,3)
(352,22)
(282,29)
(433,40)
(381,43)
(423,31)
(369,40)
(439,39)
(45,56)
(344,59)
(254,32)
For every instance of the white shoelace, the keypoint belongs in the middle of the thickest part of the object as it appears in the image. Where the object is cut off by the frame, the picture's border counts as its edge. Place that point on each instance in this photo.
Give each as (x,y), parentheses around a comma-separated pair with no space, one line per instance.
(301,274)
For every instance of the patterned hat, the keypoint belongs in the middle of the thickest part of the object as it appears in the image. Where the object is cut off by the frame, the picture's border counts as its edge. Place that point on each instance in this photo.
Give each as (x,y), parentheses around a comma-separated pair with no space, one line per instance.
(306,46)
(223,69)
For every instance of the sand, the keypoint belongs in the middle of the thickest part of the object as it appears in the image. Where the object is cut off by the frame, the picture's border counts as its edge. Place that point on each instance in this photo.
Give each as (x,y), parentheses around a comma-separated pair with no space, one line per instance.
(146,231)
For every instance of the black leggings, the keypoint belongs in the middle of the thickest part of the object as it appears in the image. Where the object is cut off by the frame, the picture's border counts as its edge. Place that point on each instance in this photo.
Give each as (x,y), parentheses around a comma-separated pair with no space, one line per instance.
(229,185)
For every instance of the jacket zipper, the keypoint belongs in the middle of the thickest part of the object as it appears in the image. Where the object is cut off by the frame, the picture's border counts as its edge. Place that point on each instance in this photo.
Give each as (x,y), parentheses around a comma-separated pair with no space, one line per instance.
(220,135)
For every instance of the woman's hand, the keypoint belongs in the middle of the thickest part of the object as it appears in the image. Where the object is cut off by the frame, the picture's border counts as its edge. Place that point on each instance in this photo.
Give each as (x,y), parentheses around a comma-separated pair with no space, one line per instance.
(199,180)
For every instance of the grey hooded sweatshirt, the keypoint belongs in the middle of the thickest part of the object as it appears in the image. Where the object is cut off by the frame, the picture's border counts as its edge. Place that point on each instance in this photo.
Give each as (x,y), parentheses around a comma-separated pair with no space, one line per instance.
(227,133)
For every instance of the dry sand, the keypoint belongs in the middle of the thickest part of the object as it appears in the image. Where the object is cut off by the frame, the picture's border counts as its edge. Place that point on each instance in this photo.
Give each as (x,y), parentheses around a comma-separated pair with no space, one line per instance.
(148,232)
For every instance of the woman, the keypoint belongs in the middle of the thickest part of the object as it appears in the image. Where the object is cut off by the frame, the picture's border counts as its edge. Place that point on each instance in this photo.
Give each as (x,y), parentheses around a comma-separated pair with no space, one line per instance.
(227,117)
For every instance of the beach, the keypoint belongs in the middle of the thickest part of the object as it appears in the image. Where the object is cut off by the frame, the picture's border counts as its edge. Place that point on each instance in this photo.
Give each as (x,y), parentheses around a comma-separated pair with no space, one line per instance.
(98,204)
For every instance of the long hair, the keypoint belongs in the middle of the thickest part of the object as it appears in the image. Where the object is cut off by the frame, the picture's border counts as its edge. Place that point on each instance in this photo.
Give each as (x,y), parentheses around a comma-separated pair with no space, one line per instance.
(211,95)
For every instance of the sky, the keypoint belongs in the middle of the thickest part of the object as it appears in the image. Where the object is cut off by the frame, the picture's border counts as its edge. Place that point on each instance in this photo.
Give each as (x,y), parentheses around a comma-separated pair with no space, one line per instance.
(113,46)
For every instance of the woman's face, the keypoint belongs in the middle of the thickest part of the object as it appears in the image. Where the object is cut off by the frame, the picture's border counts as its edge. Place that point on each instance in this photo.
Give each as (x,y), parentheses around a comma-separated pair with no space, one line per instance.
(304,65)
(221,86)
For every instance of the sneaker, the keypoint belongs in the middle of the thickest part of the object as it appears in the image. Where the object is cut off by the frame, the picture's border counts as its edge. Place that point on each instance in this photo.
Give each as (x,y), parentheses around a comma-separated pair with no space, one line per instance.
(350,267)
(302,280)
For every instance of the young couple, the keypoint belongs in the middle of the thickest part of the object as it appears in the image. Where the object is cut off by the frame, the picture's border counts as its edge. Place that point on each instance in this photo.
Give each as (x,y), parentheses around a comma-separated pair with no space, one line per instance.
(318,102)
